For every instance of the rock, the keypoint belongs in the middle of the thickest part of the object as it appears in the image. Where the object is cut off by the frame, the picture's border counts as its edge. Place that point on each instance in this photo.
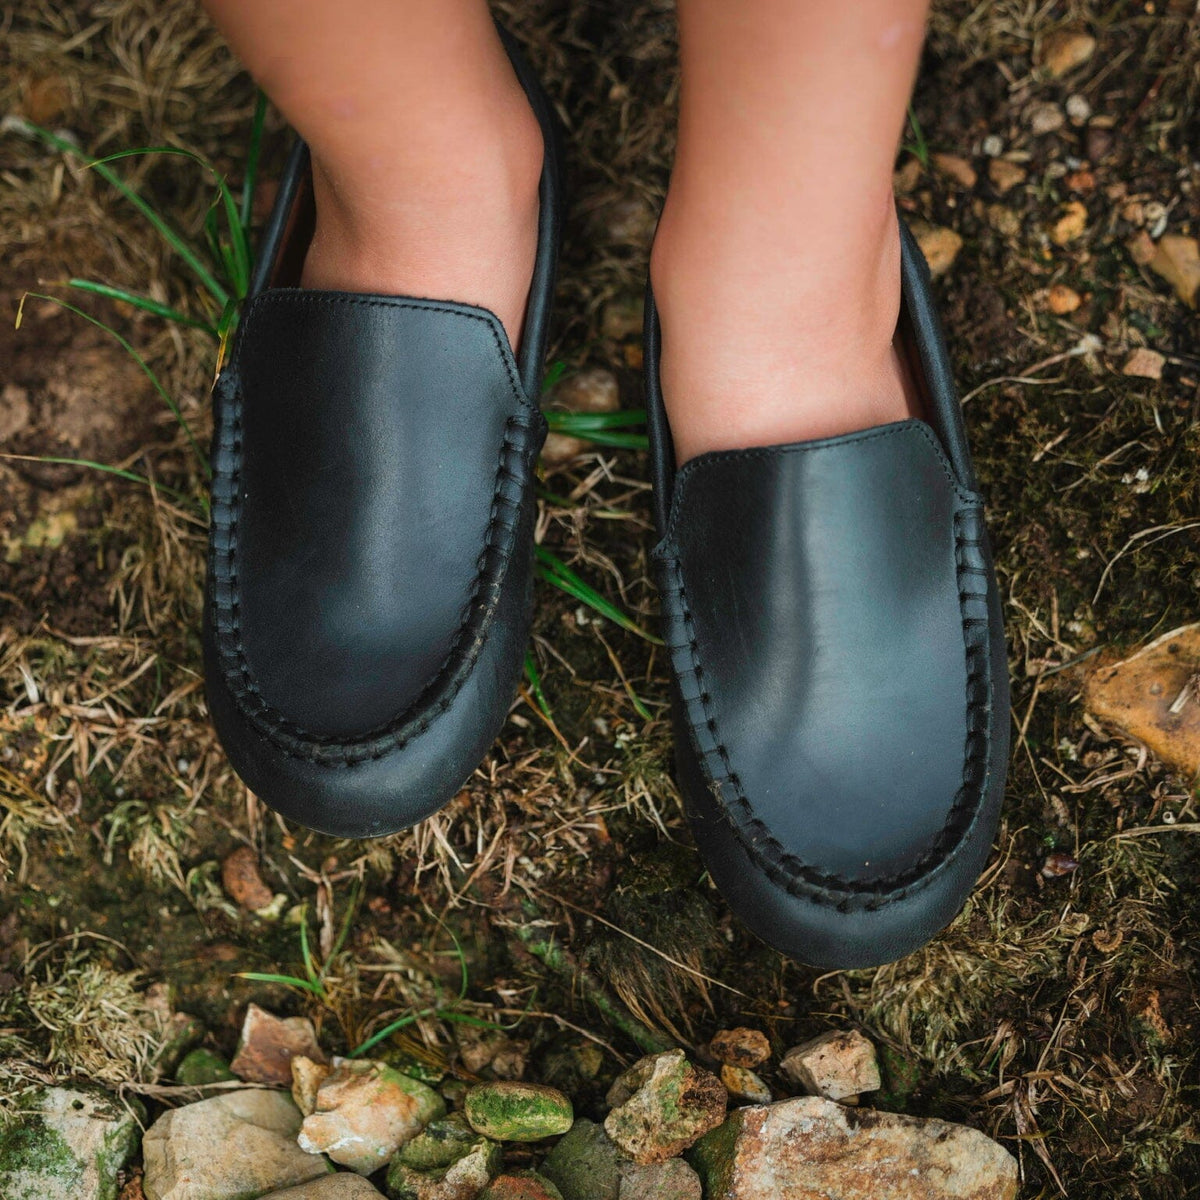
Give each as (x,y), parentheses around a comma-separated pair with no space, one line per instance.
(1078,109)
(1044,118)
(939,245)
(1061,300)
(1062,51)
(740,1047)
(440,1144)
(242,881)
(1152,697)
(1081,181)
(365,1111)
(518,1112)
(462,1179)
(1071,223)
(585,1164)
(525,1185)
(331,1187)
(68,1144)
(743,1084)
(661,1105)
(1177,260)
(1006,175)
(1144,363)
(236,1146)
(1003,220)
(1098,141)
(1141,248)
(307,1077)
(814,1149)
(592,390)
(269,1043)
(835,1065)
(955,167)
(559,448)
(201,1066)
(992,145)
(670,1180)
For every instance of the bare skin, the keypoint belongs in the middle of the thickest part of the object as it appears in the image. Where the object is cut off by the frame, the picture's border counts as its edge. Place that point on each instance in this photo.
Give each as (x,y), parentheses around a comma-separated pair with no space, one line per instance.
(776,266)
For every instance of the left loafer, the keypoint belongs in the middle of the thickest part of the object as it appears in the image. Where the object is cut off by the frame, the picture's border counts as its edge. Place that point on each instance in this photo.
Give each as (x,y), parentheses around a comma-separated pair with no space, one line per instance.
(370,566)
(840,687)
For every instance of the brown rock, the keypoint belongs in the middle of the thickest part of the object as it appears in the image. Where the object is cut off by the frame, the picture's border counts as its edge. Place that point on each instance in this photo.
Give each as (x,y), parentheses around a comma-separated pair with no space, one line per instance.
(592,390)
(741,1047)
(1062,51)
(242,881)
(1003,220)
(670,1180)
(1098,142)
(559,448)
(1154,697)
(939,245)
(1045,118)
(1177,260)
(1061,300)
(835,1065)
(813,1149)
(742,1084)
(1141,248)
(307,1077)
(1071,223)
(1006,175)
(268,1045)
(955,167)
(1144,363)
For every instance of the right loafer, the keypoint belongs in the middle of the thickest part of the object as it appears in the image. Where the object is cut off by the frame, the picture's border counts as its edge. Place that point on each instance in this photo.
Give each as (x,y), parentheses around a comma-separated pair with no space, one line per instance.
(840,685)
(370,562)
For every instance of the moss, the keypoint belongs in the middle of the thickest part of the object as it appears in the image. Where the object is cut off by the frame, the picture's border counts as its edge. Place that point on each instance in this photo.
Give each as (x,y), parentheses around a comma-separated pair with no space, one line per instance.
(33,1156)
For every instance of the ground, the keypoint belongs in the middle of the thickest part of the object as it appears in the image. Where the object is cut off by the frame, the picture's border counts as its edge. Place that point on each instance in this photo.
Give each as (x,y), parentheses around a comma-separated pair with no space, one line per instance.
(1058,1013)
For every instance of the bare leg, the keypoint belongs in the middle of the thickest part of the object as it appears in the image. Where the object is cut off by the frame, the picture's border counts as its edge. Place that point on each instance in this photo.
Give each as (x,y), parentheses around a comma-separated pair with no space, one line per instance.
(426,154)
(777,263)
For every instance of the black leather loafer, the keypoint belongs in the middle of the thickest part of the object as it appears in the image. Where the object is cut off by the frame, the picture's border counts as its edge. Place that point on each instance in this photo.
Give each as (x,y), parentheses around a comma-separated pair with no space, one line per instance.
(840,682)
(370,558)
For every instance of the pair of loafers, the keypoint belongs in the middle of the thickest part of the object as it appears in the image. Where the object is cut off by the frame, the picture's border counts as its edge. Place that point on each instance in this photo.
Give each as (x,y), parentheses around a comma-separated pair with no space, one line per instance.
(839,679)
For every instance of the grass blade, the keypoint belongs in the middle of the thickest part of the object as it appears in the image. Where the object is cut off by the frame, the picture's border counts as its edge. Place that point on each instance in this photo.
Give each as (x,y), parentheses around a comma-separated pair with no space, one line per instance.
(145,303)
(252,155)
(584,423)
(535,684)
(554,571)
(137,358)
(120,472)
(286,980)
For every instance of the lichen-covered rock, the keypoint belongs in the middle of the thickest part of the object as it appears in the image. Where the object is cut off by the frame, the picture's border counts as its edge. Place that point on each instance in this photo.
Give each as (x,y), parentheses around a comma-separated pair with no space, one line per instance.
(743,1084)
(670,1180)
(236,1146)
(524,1185)
(518,1112)
(462,1179)
(814,1149)
(585,1164)
(69,1144)
(741,1047)
(268,1045)
(440,1144)
(331,1187)
(364,1112)
(661,1105)
(201,1066)
(835,1065)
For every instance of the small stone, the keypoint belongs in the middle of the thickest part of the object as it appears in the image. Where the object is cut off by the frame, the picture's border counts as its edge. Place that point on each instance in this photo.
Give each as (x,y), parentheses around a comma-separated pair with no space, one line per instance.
(813,1149)
(1152,697)
(1141,248)
(1006,175)
(1062,51)
(1081,181)
(905,179)
(1059,864)
(743,1084)
(670,1180)
(1144,363)
(201,1066)
(365,1111)
(835,1065)
(939,245)
(477,1047)
(1044,118)
(307,1077)
(1078,109)
(229,1147)
(68,1144)
(518,1112)
(1098,142)
(463,1179)
(1003,220)
(585,1164)
(440,1144)
(992,146)
(661,1105)
(559,448)
(269,1043)
(592,390)
(955,167)
(1070,224)
(1177,260)
(1062,300)
(740,1047)
(524,1185)
(243,882)
(331,1187)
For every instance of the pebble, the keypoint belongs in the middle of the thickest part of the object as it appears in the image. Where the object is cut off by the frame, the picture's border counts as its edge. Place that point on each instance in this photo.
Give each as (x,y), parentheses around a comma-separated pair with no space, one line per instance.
(1003,220)
(201,1066)
(740,1047)
(1070,224)
(743,1084)
(1098,142)
(440,1144)
(559,448)
(243,882)
(661,1105)
(1006,175)
(939,245)
(226,1148)
(1045,118)
(1144,363)
(585,1164)
(955,167)
(992,146)
(518,1112)
(307,1077)
(1062,51)
(1078,109)
(331,1187)
(1062,300)
(70,1144)
(268,1044)
(365,1111)
(1177,260)
(592,390)
(1150,697)
(463,1179)
(525,1185)
(813,1149)
(836,1065)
